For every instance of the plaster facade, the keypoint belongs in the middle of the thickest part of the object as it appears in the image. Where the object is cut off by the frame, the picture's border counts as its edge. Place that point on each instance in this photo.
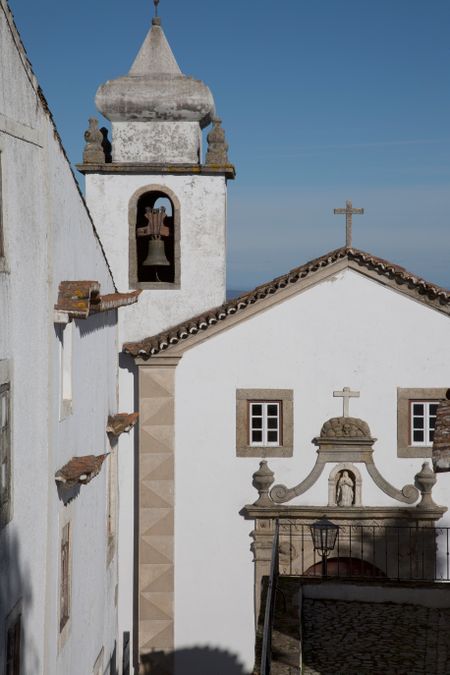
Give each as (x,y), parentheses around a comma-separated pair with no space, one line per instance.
(49,237)
(159,142)
(370,355)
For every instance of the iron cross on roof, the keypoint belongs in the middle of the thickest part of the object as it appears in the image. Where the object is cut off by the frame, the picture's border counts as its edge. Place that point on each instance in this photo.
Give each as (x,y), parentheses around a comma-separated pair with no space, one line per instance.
(349,211)
(346,394)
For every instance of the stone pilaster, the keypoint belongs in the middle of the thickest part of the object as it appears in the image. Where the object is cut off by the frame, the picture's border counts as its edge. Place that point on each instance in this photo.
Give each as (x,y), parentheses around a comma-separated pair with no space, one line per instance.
(156,506)
(262,555)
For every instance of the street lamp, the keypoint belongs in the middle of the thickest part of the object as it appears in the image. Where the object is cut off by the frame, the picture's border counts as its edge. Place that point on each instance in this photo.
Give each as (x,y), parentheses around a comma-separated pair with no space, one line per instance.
(324,533)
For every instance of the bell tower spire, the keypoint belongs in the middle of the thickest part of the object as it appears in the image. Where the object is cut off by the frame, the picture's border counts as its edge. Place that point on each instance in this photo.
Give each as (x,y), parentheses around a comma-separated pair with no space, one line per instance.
(159,206)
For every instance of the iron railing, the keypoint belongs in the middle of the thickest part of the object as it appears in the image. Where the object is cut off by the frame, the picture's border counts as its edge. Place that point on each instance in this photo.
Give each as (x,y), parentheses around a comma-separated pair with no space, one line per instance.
(266,652)
(402,552)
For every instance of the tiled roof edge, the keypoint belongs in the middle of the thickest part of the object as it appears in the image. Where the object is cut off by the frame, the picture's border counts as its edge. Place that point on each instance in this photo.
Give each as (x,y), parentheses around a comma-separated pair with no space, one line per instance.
(151,346)
(81,299)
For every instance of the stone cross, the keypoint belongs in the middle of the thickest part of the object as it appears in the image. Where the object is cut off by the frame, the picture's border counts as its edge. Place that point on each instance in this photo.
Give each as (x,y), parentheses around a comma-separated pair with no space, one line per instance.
(349,211)
(346,394)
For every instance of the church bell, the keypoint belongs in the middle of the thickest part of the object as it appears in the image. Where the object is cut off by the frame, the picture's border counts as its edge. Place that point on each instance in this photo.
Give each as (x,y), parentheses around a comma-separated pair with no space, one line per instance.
(156,256)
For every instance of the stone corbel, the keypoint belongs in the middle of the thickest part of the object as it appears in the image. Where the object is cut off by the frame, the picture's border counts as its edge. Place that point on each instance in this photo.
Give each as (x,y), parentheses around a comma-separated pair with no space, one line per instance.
(121,423)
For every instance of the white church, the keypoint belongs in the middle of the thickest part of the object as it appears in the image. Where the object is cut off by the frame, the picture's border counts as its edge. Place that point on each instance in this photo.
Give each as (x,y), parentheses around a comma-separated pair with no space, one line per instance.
(150,543)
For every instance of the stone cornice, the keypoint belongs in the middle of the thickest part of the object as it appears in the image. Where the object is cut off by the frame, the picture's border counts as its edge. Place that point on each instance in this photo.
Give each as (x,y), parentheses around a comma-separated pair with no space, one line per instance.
(226,170)
(337,513)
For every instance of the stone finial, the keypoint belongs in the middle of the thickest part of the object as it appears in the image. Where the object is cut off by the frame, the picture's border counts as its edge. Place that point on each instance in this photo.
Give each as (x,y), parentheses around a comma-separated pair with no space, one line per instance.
(93,150)
(262,481)
(217,146)
(425,481)
(441,441)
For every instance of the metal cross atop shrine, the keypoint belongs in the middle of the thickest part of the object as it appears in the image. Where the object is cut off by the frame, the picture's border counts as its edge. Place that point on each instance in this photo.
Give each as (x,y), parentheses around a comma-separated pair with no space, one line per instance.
(346,394)
(349,211)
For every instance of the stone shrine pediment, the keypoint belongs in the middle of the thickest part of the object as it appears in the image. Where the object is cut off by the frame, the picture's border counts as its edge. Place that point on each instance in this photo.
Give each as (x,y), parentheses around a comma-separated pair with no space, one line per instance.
(345,427)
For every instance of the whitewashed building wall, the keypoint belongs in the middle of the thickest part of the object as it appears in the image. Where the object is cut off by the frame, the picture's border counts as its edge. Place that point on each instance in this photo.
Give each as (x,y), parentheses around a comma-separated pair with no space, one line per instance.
(346,331)
(49,238)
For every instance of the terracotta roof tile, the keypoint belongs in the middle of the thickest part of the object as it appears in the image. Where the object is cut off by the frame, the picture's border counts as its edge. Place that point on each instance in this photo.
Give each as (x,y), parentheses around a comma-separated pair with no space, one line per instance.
(122,422)
(80,299)
(80,470)
(183,331)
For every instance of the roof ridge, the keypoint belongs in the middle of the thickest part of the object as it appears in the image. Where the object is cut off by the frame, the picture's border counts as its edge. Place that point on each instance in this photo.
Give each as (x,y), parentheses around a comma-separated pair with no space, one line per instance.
(173,335)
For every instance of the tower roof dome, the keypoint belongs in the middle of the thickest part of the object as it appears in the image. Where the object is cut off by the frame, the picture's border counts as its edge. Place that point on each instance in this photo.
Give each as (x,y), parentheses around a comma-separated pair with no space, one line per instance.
(155,89)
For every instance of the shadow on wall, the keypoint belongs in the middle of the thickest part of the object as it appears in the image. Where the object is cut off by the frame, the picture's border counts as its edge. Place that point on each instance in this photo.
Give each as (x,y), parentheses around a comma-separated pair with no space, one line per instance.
(15,604)
(194,661)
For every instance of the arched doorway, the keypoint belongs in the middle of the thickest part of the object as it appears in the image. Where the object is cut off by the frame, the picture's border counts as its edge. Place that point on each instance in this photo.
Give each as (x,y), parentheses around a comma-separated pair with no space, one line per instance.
(346,567)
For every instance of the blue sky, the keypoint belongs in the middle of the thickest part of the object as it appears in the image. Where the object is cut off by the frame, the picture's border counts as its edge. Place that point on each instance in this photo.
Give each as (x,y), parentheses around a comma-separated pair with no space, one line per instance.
(322,101)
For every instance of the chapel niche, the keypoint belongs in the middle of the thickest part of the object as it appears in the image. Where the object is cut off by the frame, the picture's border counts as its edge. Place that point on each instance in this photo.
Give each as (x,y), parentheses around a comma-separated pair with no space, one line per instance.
(155,239)
(344,486)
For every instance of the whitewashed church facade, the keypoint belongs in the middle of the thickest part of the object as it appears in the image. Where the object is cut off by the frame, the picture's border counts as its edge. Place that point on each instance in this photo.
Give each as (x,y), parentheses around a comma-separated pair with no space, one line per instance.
(221,387)
(315,394)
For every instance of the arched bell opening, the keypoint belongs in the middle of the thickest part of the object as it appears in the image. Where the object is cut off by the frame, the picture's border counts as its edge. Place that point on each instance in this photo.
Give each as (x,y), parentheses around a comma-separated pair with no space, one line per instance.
(346,567)
(154,215)
(155,238)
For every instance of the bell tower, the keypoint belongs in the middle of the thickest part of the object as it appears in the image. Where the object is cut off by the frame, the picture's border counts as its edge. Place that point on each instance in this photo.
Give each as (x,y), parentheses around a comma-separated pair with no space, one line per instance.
(159,209)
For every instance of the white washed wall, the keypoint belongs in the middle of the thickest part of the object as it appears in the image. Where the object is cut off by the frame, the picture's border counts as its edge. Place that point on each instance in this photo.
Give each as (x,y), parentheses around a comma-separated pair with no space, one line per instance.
(203,246)
(49,238)
(346,331)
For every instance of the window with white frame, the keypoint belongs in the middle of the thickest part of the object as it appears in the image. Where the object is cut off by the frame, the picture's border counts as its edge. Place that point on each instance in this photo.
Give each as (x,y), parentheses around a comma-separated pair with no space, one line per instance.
(265,423)
(423,421)
(416,415)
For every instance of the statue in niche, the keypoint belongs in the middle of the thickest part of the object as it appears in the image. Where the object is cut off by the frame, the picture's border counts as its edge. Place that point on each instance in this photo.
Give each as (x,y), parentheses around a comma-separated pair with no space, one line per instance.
(345,490)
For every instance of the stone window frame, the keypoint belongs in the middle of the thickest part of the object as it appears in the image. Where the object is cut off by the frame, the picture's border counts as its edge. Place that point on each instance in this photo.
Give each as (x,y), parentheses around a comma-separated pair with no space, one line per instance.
(111,506)
(5,386)
(246,396)
(67,342)
(405,396)
(134,283)
(65,583)
(2,240)
(3,258)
